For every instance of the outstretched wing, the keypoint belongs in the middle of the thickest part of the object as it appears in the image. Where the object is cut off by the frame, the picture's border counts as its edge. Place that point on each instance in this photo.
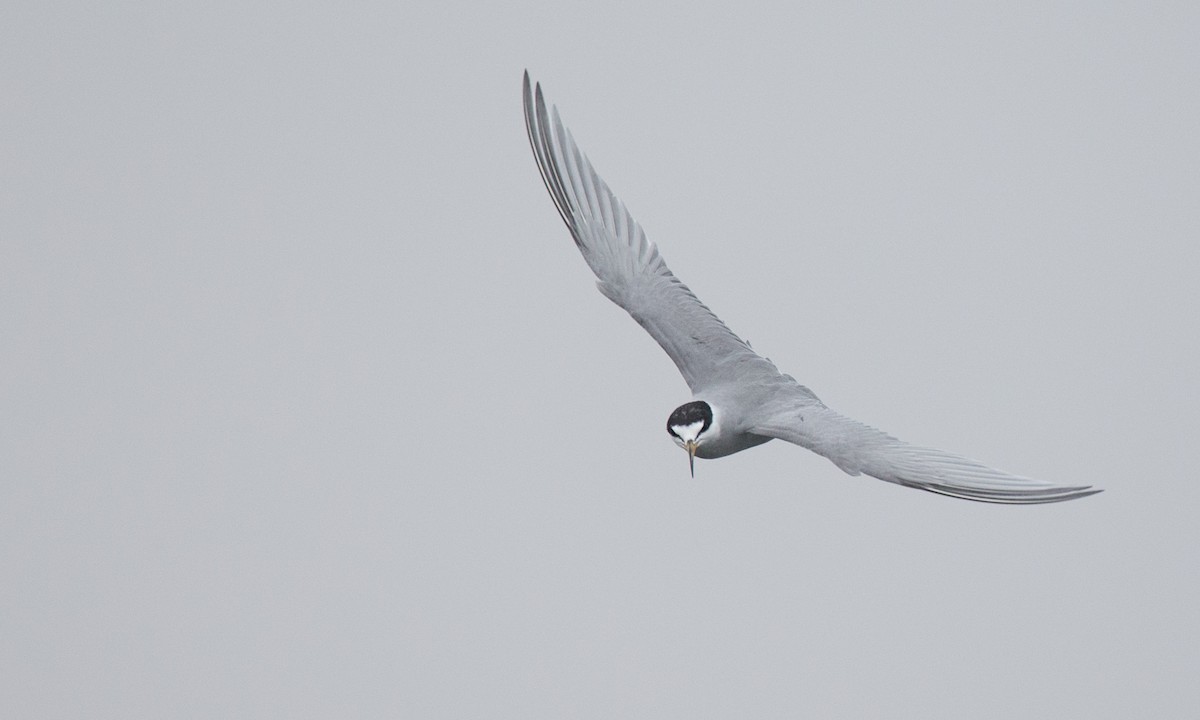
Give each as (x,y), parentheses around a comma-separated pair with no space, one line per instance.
(858,448)
(630,270)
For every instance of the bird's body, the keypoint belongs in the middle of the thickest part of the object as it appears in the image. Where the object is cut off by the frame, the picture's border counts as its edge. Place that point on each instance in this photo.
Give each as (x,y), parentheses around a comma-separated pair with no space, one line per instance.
(740,399)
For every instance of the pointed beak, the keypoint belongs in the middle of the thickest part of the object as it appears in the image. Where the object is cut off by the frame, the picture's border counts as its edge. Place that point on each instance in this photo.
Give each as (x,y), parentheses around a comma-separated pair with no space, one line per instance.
(691,448)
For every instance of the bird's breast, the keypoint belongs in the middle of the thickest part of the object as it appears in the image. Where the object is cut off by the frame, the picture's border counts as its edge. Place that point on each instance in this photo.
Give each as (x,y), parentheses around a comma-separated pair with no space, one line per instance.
(728,444)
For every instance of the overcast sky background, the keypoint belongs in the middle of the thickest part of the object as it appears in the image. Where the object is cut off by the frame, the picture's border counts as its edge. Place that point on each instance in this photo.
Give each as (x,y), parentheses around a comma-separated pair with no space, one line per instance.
(309,407)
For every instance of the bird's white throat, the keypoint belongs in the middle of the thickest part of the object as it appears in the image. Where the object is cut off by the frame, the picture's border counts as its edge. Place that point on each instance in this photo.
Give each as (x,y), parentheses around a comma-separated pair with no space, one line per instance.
(691,431)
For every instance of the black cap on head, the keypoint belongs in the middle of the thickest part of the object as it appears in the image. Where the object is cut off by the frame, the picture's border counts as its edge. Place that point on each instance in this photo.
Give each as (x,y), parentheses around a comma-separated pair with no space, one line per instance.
(689,414)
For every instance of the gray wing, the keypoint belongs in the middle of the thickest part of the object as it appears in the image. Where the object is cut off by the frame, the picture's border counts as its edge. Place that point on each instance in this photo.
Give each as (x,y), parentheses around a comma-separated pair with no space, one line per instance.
(630,270)
(857,448)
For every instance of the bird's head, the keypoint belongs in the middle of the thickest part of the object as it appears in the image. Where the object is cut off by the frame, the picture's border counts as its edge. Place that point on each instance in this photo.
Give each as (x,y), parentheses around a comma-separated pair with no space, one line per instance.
(687,426)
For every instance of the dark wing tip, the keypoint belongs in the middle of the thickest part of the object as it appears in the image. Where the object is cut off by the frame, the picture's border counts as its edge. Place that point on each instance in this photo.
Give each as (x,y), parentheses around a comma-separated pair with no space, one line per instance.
(537,128)
(1015,496)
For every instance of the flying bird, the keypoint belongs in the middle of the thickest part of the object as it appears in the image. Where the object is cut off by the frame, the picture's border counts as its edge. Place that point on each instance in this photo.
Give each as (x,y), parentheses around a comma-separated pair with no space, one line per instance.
(740,399)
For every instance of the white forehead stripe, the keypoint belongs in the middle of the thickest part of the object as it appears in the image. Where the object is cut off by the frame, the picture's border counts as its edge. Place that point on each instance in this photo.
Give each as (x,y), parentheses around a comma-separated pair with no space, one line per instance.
(689,431)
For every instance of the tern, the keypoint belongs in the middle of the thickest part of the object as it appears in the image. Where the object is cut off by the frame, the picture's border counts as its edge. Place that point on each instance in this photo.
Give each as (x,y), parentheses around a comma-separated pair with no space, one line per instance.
(739,398)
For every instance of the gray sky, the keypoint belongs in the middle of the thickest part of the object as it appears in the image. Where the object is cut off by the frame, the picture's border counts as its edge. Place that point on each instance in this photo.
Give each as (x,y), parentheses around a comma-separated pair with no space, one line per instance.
(311,409)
